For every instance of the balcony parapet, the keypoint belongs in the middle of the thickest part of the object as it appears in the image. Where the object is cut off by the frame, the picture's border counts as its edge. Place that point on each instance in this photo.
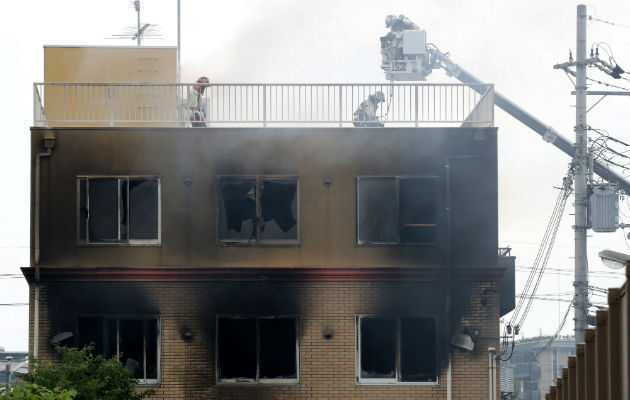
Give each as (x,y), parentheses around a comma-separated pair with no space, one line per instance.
(259,105)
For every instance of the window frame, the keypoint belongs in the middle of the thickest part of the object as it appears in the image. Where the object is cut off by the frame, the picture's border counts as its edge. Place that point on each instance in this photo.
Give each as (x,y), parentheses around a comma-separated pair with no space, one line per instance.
(258,380)
(257,241)
(396,380)
(396,178)
(143,317)
(127,242)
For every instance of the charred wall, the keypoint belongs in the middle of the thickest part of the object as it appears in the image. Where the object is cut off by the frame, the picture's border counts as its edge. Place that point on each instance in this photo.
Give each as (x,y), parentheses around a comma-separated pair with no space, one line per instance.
(327,163)
(327,314)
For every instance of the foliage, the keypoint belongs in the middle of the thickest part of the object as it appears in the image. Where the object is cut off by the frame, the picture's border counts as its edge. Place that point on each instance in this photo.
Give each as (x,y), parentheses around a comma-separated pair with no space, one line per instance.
(93,377)
(517,391)
(32,391)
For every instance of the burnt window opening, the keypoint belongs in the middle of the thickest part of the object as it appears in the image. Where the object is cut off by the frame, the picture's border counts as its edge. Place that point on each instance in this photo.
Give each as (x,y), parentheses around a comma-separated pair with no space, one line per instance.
(257,350)
(393,210)
(258,210)
(118,210)
(396,350)
(134,341)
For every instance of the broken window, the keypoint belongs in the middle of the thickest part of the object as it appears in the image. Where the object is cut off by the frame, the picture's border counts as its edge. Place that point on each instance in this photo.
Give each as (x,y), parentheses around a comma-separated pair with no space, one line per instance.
(118,210)
(134,341)
(257,349)
(393,350)
(258,210)
(396,210)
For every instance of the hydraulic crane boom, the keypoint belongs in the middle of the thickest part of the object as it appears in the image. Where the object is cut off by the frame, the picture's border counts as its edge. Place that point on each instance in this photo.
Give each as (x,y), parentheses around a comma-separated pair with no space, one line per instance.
(439,59)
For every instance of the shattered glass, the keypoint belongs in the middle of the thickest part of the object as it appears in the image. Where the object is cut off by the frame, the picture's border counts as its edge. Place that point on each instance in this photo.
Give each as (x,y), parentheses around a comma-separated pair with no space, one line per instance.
(278,204)
(238,209)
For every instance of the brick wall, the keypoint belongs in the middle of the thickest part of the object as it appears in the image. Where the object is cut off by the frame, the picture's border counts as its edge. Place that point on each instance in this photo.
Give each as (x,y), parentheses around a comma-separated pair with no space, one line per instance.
(327,366)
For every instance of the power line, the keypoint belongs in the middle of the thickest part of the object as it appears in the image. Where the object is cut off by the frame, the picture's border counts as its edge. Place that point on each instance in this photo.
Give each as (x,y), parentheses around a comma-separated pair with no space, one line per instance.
(555,335)
(591,18)
(540,263)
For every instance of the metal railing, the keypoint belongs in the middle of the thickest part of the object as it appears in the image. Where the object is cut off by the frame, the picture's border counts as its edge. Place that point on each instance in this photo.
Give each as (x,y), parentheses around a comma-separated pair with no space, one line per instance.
(129,104)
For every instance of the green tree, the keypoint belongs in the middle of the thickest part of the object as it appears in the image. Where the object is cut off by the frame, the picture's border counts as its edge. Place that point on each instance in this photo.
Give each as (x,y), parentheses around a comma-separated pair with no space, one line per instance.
(92,377)
(31,391)
(517,391)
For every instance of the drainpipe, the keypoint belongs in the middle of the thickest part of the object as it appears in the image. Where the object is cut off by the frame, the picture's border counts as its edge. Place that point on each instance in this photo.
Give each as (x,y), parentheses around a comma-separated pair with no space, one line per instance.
(49,144)
(492,373)
(449,267)
(447,178)
(449,379)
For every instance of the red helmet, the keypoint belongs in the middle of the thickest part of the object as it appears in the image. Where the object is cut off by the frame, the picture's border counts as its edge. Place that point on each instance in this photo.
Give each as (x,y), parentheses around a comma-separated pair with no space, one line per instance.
(203,80)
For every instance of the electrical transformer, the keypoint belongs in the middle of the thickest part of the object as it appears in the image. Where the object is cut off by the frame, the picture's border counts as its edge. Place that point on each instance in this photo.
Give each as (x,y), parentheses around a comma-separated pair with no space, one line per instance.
(604,207)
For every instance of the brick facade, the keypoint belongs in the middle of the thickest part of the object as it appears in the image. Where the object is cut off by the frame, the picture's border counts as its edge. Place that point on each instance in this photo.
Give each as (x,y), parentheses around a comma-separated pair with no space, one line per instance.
(327,367)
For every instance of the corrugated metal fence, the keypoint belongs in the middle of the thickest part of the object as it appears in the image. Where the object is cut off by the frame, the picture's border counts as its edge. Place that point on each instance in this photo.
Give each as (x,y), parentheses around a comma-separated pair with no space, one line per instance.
(600,370)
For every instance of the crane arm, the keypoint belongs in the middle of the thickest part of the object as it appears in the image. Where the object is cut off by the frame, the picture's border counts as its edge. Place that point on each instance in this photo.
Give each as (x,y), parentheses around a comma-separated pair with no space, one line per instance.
(549,134)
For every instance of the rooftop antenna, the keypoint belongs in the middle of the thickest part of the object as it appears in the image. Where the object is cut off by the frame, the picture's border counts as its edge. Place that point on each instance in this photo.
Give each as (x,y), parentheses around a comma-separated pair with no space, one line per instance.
(141,31)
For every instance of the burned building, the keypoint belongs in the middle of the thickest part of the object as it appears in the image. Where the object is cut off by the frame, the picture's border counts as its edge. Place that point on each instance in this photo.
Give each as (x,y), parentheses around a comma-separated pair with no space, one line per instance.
(280,260)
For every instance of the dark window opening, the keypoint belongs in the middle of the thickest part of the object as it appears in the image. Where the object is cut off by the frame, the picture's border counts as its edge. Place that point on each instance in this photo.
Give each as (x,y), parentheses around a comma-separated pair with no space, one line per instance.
(417,210)
(131,346)
(396,210)
(417,350)
(118,210)
(277,349)
(134,341)
(378,211)
(257,349)
(397,350)
(255,210)
(103,210)
(90,331)
(238,209)
(378,348)
(143,209)
(237,349)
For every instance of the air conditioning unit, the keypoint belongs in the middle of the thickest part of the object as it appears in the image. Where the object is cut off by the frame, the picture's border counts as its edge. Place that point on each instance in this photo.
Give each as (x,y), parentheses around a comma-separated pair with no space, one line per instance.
(604,207)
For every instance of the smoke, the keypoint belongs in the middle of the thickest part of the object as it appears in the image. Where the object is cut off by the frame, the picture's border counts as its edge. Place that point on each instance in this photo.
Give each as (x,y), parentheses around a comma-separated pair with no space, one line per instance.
(291,41)
(67,301)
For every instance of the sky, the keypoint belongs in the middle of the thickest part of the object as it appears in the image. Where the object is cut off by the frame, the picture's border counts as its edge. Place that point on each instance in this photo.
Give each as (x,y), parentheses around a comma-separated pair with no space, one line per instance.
(512,44)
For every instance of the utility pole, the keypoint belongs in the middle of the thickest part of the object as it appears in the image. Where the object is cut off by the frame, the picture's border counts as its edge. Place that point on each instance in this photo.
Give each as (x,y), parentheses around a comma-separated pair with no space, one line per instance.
(580,165)
(179,43)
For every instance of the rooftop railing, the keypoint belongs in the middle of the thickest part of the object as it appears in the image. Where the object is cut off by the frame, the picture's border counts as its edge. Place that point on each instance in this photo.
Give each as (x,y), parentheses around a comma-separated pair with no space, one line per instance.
(259,105)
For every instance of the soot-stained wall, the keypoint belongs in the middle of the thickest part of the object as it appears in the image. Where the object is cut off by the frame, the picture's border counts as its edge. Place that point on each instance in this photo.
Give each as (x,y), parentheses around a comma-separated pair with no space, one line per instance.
(327,330)
(189,161)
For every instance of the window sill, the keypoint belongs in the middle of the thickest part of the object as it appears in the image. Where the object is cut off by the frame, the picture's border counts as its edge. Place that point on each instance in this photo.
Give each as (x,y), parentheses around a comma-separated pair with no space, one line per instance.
(120,244)
(279,382)
(419,244)
(149,385)
(259,244)
(364,383)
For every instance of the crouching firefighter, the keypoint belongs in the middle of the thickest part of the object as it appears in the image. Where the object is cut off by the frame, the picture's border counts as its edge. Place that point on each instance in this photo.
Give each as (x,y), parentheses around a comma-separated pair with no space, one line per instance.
(196,106)
(365,115)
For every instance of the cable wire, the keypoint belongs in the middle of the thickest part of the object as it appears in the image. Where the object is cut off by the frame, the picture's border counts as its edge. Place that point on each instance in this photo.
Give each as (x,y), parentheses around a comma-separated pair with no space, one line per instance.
(555,335)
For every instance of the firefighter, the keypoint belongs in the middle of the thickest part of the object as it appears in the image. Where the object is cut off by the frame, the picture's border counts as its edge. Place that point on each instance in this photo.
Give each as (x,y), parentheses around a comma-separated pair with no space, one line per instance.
(365,115)
(196,107)
(400,23)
